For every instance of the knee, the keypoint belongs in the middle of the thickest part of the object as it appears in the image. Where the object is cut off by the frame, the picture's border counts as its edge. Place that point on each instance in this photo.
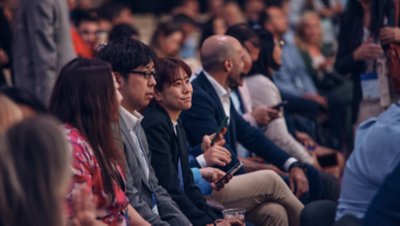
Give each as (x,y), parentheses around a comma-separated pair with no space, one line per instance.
(270,178)
(273,214)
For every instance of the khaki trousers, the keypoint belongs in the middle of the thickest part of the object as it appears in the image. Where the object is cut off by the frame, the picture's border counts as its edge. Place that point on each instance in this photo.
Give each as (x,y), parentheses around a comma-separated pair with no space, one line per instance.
(264,195)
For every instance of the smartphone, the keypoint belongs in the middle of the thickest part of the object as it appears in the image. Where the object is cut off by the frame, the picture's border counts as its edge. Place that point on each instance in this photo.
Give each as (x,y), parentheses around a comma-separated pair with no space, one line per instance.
(328,160)
(280,105)
(221,126)
(220,182)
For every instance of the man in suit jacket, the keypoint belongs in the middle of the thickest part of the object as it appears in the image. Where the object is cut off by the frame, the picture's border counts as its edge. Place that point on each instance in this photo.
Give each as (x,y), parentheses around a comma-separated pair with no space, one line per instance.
(222,63)
(133,67)
(41,45)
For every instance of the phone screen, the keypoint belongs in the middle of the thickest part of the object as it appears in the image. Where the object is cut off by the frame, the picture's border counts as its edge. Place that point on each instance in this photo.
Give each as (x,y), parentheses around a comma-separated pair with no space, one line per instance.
(223,124)
(327,160)
(231,171)
(280,105)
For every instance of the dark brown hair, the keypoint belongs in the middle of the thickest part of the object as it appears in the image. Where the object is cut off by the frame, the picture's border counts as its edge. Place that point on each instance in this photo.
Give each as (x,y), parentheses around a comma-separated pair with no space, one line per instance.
(168,71)
(163,29)
(34,173)
(84,96)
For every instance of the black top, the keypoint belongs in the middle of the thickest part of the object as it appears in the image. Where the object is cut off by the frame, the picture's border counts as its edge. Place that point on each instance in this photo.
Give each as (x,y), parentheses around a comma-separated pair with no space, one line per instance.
(167,149)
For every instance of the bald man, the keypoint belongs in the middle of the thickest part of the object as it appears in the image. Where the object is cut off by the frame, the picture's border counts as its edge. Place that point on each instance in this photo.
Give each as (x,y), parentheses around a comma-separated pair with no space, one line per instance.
(222,60)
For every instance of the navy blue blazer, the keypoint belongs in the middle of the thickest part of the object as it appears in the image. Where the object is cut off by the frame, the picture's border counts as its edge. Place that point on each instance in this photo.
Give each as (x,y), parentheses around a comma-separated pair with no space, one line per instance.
(207,112)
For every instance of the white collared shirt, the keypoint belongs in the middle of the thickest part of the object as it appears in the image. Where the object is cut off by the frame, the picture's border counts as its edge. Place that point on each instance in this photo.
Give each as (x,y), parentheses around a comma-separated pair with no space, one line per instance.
(132,121)
(223,94)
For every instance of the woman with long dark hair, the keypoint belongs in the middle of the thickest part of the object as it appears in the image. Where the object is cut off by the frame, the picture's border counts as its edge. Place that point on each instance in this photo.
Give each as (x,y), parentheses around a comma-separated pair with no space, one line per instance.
(86,101)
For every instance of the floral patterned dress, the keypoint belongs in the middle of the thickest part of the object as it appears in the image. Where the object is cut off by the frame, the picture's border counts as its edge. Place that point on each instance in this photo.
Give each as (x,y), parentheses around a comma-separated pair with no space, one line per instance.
(87,172)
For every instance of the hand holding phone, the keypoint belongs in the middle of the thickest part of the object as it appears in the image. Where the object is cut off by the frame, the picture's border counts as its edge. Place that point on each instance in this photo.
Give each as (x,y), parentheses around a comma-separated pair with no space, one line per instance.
(280,105)
(225,179)
(222,125)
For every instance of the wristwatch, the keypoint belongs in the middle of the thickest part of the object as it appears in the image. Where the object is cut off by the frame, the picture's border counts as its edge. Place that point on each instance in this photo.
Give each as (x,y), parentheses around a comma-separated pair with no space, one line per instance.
(297,164)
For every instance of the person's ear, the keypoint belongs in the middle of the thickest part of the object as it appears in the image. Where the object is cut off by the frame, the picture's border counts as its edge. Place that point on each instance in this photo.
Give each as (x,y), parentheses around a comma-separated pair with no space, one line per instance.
(228,64)
(119,78)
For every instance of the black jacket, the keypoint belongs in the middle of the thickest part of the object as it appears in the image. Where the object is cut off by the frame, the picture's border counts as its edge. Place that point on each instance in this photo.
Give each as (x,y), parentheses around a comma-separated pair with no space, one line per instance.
(350,38)
(166,149)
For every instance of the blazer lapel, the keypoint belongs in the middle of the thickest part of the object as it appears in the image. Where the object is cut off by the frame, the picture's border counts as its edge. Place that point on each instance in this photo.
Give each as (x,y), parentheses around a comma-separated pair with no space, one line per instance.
(206,86)
(131,147)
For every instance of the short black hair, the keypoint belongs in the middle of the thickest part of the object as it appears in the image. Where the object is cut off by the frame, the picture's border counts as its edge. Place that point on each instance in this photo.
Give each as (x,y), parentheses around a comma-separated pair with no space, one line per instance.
(242,32)
(168,70)
(79,15)
(264,17)
(110,10)
(126,54)
(24,97)
(121,31)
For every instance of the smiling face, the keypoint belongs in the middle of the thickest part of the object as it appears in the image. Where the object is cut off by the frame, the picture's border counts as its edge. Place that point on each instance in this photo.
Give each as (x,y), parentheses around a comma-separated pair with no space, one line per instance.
(177,96)
(136,89)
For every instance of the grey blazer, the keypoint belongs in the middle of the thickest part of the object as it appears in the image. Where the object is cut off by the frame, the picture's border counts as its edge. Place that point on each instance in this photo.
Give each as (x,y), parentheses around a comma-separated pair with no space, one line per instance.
(139,189)
(41,45)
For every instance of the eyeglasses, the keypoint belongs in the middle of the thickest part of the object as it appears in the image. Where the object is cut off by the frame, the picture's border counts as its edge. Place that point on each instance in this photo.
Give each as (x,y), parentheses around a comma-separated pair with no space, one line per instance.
(145,74)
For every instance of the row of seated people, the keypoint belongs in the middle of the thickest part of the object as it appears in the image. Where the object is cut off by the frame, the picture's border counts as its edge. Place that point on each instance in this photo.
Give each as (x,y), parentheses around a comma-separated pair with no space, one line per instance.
(156,145)
(99,165)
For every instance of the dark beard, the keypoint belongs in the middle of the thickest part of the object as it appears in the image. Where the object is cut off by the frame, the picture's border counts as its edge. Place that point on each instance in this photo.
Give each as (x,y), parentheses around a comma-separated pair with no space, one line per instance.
(233,83)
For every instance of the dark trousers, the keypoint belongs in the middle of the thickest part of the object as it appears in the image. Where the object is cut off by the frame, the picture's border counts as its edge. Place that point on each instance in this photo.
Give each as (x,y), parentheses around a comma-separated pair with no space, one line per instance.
(318,213)
(321,186)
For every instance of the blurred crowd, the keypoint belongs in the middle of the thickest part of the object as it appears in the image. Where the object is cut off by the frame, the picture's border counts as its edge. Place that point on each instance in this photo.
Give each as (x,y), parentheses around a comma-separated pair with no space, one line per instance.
(284,109)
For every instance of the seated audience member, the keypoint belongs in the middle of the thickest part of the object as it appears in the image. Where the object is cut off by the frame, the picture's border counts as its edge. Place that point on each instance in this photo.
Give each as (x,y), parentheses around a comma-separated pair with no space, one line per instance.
(133,67)
(297,86)
(87,25)
(232,13)
(375,155)
(10,113)
(84,90)
(221,58)
(167,39)
(122,31)
(316,56)
(269,202)
(112,13)
(263,92)
(274,21)
(214,26)
(35,173)
(26,101)
(189,28)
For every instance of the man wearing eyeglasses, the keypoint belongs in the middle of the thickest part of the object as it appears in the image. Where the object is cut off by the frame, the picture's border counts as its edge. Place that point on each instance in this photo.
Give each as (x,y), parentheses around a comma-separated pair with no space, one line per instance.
(133,66)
